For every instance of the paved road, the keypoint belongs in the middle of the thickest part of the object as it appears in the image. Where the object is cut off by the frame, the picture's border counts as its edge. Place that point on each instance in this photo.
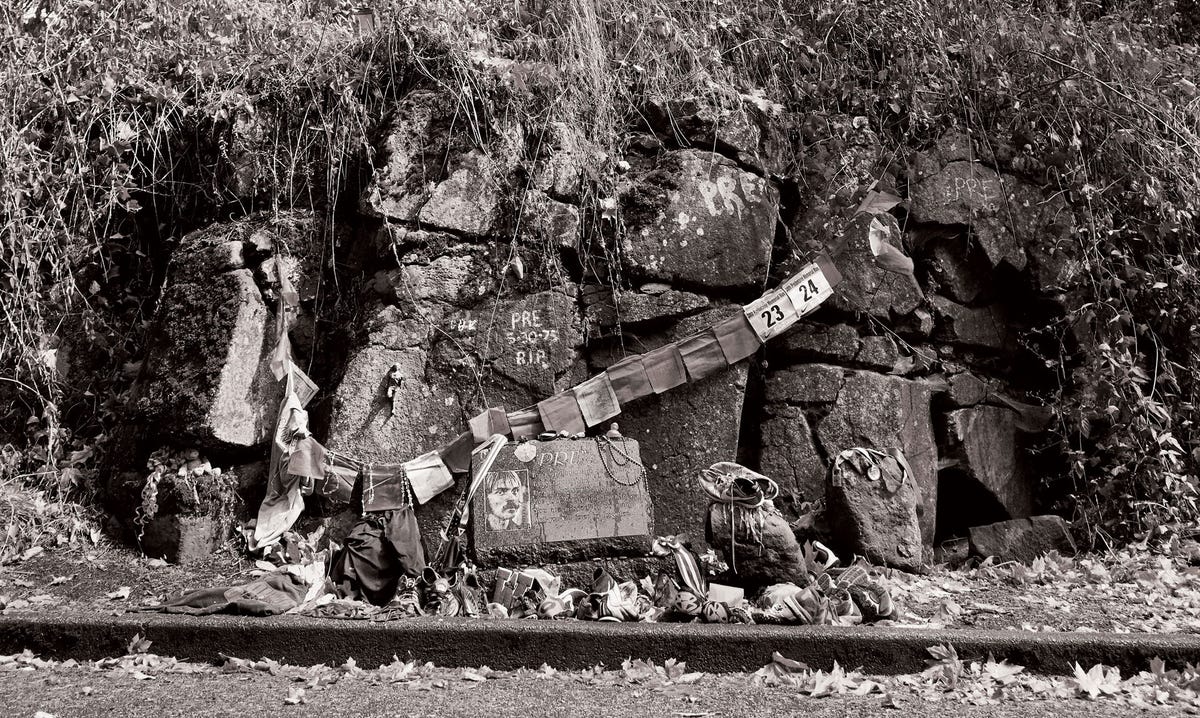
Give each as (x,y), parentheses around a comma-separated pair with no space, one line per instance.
(82,691)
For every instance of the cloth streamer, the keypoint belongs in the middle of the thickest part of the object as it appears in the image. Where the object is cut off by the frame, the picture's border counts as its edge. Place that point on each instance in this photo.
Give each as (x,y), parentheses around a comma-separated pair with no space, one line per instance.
(525,423)
(283,503)
(702,355)
(385,487)
(561,413)
(457,454)
(490,421)
(428,476)
(665,368)
(737,338)
(597,400)
(629,379)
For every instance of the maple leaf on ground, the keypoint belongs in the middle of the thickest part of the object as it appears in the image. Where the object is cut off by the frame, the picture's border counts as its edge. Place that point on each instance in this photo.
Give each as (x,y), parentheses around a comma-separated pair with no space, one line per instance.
(1098,680)
(1003,672)
(138,645)
(295,696)
(945,666)
(398,671)
(120,594)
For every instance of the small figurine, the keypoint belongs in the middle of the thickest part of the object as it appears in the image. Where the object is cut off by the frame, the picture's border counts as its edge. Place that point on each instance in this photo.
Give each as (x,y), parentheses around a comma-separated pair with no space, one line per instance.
(614,431)
(395,380)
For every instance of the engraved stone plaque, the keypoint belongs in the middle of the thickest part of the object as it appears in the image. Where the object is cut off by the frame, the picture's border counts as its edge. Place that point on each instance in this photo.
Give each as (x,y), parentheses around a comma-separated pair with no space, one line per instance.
(562,500)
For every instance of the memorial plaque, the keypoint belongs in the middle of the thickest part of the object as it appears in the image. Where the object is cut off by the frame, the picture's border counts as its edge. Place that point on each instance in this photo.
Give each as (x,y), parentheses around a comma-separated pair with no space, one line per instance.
(562,500)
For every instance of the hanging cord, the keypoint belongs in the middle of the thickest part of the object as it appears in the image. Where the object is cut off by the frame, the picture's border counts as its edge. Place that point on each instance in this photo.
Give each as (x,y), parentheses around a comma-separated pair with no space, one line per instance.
(742,498)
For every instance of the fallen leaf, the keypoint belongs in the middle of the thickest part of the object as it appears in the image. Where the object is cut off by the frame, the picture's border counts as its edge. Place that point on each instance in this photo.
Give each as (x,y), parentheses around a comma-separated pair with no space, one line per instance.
(295,696)
(138,645)
(120,594)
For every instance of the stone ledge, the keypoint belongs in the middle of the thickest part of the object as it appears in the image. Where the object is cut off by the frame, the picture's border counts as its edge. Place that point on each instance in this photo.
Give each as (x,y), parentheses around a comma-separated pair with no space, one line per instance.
(571,645)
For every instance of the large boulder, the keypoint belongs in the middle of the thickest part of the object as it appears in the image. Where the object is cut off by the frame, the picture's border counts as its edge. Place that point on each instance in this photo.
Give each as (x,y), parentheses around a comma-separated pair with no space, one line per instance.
(986,440)
(1023,539)
(1004,213)
(879,411)
(979,327)
(365,423)
(207,378)
(789,453)
(872,509)
(697,218)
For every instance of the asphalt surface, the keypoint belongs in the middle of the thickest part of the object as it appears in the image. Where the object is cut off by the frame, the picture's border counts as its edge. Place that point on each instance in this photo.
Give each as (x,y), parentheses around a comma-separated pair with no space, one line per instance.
(81,692)
(507,645)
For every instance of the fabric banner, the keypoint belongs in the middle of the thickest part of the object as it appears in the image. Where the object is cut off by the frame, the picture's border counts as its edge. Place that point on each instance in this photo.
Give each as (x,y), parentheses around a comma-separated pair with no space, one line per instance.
(385,488)
(665,368)
(341,473)
(629,380)
(702,355)
(490,421)
(307,459)
(283,503)
(597,400)
(525,423)
(428,476)
(561,413)
(737,338)
(457,454)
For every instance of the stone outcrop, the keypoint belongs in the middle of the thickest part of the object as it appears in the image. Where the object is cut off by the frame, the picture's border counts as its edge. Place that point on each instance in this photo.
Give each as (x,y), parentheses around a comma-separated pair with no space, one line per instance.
(988,441)
(873,507)
(482,276)
(207,378)
(1022,539)
(697,218)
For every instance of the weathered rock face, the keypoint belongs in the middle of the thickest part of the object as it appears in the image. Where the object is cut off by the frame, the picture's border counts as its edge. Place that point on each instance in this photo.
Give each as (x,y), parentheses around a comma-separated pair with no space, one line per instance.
(1004,213)
(685,430)
(989,444)
(207,379)
(873,509)
(759,547)
(882,412)
(867,287)
(1023,539)
(696,218)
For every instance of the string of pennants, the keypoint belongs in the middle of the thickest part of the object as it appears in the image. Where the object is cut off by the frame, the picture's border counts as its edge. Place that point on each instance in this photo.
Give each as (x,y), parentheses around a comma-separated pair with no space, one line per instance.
(300,463)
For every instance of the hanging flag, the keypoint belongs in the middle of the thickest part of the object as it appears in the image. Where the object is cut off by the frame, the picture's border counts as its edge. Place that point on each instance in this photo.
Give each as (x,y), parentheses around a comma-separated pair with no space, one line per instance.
(597,400)
(525,423)
(561,413)
(457,454)
(737,338)
(490,421)
(308,459)
(665,368)
(428,476)
(702,355)
(629,380)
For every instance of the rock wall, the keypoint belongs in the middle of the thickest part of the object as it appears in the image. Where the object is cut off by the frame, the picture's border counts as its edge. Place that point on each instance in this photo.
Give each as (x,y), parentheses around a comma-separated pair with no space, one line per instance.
(482,275)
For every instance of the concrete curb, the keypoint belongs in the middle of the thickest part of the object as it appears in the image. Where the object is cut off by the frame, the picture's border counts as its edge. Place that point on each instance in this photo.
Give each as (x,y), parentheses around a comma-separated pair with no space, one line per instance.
(506,645)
